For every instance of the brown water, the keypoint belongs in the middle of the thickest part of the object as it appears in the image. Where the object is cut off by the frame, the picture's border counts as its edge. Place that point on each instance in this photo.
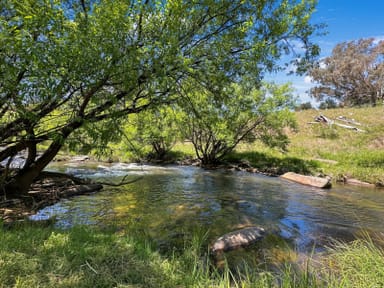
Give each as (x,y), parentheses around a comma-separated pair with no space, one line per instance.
(169,203)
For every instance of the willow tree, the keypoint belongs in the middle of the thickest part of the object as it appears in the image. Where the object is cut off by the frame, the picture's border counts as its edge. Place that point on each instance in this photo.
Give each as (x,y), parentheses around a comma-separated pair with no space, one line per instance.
(151,134)
(66,65)
(215,128)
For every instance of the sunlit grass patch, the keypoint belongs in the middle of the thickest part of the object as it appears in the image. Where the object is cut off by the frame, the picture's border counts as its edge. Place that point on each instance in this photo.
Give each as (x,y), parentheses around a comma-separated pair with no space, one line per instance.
(355,154)
(33,256)
(356,264)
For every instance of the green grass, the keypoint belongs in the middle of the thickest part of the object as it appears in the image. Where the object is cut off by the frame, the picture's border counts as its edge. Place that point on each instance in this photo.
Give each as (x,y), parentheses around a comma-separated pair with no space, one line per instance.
(33,256)
(357,264)
(357,155)
(321,149)
(37,256)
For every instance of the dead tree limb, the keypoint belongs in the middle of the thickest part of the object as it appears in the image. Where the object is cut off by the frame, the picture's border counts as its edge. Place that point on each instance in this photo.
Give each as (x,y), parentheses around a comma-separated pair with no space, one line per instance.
(349,121)
(325,120)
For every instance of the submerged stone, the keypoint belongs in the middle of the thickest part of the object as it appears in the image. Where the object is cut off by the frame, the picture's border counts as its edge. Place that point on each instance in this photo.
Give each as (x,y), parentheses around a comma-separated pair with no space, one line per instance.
(236,239)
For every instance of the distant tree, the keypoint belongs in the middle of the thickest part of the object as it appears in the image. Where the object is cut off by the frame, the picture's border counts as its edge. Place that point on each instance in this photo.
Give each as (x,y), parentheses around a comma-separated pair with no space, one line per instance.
(353,74)
(216,128)
(304,106)
(329,103)
(66,65)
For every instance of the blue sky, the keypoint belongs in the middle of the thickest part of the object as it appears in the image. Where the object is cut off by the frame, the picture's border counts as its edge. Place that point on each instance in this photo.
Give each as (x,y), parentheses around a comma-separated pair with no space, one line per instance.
(346,20)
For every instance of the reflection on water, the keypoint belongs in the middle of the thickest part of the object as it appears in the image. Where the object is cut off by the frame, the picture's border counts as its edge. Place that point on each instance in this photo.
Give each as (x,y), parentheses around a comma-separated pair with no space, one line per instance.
(169,202)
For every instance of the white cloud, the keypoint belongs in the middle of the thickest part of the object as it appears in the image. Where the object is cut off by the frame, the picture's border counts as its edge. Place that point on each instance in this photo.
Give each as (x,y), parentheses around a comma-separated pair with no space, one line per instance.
(378,39)
(308,79)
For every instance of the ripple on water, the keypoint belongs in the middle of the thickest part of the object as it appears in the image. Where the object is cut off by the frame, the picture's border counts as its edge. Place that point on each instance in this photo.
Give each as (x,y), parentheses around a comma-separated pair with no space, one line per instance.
(174,200)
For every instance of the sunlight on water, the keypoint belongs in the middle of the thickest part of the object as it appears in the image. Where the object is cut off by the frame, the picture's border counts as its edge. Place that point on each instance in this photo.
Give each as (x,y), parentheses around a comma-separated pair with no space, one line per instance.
(171,202)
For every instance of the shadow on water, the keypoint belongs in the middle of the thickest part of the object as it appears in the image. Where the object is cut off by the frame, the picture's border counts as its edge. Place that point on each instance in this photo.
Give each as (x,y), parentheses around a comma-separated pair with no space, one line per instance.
(171,204)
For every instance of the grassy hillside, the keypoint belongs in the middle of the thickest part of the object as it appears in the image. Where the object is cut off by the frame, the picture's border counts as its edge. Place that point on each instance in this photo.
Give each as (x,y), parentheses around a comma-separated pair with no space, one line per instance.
(354,154)
(328,149)
(317,148)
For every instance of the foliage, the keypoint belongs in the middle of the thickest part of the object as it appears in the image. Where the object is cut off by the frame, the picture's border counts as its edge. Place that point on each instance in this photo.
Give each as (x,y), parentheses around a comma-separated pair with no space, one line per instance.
(216,128)
(74,63)
(353,74)
(304,106)
(329,103)
(152,133)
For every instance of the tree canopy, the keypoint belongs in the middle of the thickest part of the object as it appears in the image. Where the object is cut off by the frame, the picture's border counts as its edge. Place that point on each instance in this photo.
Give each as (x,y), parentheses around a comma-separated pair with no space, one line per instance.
(216,128)
(353,74)
(67,65)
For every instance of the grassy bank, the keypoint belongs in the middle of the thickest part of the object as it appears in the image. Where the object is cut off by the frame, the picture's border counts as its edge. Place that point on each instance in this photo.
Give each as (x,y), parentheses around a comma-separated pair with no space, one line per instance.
(353,154)
(314,148)
(35,256)
(327,149)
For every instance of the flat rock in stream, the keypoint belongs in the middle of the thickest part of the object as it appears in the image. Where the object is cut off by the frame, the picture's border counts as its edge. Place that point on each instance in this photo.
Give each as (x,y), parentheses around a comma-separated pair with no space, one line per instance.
(313,181)
(352,181)
(236,239)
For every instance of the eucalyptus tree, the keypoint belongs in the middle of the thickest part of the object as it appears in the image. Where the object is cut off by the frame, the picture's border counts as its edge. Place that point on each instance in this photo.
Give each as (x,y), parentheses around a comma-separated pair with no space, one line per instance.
(215,128)
(65,65)
(353,74)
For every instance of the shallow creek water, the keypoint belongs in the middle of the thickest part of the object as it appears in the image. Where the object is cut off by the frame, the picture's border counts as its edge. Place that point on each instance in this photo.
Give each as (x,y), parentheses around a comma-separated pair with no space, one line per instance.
(168,202)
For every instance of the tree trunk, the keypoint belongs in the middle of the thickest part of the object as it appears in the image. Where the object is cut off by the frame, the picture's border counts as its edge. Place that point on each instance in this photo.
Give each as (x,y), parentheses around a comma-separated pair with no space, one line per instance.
(18,186)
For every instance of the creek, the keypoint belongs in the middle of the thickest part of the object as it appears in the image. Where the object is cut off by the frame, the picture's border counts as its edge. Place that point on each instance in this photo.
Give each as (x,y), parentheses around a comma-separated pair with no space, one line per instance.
(168,203)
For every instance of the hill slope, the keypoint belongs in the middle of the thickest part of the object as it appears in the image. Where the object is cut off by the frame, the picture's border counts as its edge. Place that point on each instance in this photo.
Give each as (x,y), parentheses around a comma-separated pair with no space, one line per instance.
(342,151)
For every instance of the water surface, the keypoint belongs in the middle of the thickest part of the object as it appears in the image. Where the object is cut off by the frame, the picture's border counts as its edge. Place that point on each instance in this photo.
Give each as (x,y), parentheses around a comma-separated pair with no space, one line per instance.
(171,202)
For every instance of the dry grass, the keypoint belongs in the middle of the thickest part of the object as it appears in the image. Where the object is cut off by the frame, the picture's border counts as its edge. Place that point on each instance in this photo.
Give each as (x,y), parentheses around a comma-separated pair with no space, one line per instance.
(354,154)
(332,150)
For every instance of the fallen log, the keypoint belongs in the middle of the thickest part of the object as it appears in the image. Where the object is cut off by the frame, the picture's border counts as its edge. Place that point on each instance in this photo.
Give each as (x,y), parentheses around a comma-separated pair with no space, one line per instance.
(325,120)
(236,239)
(313,181)
(349,127)
(349,121)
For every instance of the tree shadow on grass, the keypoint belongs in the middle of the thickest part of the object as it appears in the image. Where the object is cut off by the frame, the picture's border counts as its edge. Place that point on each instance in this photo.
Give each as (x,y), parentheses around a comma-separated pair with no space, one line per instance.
(274,165)
(79,257)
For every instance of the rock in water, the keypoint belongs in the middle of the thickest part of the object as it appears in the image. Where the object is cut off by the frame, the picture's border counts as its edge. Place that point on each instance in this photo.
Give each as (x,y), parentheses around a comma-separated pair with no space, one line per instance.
(313,181)
(237,239)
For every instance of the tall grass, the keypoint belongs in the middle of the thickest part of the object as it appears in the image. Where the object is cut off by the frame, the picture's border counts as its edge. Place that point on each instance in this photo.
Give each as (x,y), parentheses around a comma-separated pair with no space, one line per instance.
(36,256)
(356,264)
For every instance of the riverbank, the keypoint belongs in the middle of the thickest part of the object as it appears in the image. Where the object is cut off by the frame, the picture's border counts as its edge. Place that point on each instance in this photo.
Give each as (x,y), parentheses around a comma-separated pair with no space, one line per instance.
(48,189)
(320,149)
(343,153)
(315,148)
(123,257)
(32,255)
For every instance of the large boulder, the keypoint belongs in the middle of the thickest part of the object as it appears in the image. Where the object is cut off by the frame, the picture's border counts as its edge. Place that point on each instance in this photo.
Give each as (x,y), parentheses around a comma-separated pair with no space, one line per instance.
(236,239)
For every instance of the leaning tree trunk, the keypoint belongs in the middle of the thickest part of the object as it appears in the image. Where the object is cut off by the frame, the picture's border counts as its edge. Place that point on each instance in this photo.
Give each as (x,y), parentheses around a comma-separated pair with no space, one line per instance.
(18,185)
